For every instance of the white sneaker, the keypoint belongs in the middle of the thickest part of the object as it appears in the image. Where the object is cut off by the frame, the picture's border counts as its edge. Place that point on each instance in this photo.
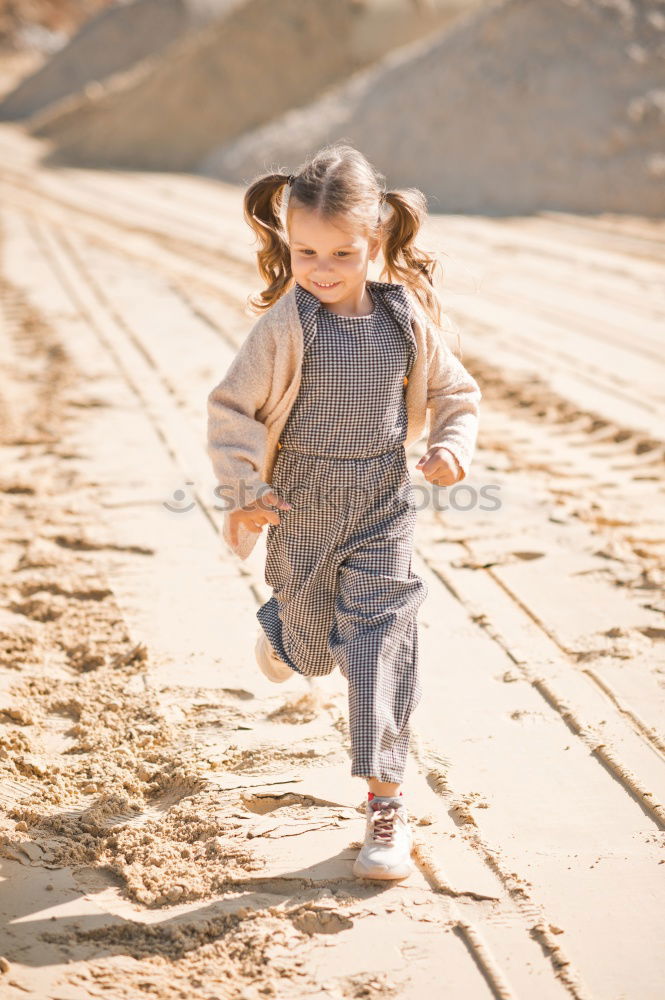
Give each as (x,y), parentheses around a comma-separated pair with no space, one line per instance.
(386,852)
(272,666)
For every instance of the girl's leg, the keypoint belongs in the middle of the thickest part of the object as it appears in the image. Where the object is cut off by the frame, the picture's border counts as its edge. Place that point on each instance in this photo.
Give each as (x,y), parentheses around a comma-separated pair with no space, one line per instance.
(301,569)
(375,643)
(382,787)
(374,639)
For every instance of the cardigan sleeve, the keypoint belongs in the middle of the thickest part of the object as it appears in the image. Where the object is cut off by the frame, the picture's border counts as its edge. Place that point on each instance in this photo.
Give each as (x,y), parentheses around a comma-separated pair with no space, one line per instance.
(453,398)
(236,436)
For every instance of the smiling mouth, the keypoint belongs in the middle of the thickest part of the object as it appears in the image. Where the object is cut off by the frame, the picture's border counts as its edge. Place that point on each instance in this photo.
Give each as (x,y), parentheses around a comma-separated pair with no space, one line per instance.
(333,284)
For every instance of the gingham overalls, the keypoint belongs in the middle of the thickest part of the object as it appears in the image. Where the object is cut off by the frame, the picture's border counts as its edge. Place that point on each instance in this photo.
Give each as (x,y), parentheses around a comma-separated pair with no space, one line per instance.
(339,563)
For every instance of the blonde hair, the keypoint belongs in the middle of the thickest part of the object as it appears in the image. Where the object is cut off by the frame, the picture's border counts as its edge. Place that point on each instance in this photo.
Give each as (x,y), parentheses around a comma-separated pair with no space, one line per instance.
(339,183)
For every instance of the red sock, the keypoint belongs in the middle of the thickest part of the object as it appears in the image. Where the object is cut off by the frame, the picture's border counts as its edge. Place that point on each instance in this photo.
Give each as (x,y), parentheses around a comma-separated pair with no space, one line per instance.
(370,796)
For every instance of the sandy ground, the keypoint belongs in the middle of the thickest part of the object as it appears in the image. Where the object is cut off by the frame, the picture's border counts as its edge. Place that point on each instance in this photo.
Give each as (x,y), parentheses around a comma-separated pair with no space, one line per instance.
(173,825)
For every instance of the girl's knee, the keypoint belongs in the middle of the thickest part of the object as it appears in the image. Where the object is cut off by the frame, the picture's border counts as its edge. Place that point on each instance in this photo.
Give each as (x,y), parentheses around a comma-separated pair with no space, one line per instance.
(318,669)
(314,661)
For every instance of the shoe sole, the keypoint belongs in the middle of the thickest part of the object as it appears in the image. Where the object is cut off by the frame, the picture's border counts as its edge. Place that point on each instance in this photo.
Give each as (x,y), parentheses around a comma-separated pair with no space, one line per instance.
(360,872)
(265,669)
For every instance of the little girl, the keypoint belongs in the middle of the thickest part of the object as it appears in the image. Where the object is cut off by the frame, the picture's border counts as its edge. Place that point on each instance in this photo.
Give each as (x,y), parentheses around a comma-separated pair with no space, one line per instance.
(312,419)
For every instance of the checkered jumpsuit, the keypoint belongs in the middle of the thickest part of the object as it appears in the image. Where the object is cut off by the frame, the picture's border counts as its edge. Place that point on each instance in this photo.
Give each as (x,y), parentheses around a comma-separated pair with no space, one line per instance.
(339,562)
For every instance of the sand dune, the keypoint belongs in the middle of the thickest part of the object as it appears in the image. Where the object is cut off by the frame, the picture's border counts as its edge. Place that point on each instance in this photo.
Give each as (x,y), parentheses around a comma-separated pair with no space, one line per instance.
(111,42)
(170,111)
(519,107)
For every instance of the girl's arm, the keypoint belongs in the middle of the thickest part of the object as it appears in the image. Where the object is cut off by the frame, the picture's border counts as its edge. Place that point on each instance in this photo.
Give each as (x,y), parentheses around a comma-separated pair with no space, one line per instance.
(236,437)
(453,398)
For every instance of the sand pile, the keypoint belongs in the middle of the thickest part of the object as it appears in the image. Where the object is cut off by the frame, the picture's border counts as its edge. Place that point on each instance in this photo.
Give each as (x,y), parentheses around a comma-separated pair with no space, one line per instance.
(115,40)
(261,59)
(558,104)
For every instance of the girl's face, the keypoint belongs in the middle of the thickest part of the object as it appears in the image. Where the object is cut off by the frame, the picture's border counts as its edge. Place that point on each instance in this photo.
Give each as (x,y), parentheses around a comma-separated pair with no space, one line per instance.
(329,260)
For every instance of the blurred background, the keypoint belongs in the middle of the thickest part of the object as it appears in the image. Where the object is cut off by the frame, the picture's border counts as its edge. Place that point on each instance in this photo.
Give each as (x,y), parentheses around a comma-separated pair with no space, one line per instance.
(492,107)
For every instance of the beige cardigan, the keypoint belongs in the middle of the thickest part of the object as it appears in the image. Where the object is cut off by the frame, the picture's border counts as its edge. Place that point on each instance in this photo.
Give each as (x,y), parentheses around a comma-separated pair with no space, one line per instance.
(249,407)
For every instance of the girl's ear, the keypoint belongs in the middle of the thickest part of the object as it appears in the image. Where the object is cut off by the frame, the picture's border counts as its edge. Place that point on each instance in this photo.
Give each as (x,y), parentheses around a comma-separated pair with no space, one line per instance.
(374,247)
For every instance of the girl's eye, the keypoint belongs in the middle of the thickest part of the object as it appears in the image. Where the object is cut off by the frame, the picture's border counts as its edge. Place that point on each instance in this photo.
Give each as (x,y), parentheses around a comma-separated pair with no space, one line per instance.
(345,253)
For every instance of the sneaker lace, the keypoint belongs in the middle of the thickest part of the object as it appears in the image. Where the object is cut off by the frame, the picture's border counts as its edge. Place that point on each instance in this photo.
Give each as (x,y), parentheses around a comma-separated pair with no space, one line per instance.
(383,823)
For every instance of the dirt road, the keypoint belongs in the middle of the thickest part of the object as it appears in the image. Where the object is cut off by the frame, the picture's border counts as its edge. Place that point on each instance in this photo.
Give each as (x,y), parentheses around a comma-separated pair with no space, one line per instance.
(176,826)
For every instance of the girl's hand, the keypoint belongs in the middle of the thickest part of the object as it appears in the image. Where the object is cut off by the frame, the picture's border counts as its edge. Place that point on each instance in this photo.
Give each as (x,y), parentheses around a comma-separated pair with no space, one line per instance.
(440,467)
(256,514)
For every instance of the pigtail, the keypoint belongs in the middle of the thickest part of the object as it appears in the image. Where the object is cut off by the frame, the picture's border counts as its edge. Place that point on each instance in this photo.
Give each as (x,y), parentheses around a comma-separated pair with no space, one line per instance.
(261,208)
(404,261)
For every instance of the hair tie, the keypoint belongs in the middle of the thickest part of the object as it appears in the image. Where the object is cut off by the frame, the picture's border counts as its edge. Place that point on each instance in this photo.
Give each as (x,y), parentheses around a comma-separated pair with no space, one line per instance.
(290,179)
